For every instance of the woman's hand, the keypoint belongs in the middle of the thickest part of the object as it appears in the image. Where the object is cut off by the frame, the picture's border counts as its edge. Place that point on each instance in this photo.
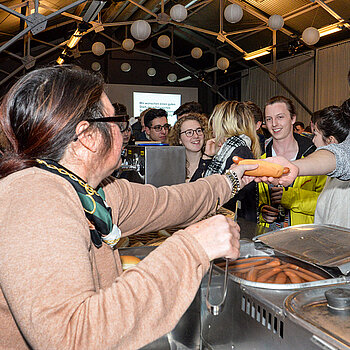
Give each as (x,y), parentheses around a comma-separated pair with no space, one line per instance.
(218,236)
(240,169)
(210,149)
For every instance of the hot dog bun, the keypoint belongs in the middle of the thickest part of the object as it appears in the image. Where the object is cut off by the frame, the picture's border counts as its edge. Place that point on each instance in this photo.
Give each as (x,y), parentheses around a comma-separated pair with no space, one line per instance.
(265,168)
(129,261)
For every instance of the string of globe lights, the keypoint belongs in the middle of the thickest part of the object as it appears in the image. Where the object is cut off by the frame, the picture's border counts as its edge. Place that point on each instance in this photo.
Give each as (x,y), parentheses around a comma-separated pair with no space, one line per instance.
(141,30)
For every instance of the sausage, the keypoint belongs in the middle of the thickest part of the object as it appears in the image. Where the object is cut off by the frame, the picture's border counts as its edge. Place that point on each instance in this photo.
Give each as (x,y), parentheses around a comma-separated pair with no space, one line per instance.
(281,278)
(311,274)
(252,274)
(266,275)
(265,168)
(250,264)
(294,278)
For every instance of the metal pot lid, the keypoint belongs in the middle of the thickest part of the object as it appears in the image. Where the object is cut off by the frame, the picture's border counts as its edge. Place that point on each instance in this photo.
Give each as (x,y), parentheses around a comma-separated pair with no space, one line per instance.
(310,309)
(323,245)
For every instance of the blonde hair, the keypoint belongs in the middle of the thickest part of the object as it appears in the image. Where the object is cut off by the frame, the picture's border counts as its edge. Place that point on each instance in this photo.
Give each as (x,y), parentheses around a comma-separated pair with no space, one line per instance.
(174,136)
(233,118)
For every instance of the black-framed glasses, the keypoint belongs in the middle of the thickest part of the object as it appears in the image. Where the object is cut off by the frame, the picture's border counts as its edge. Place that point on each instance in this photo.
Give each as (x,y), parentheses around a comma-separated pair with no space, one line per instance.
(158,128)
(190,132)
(121,120)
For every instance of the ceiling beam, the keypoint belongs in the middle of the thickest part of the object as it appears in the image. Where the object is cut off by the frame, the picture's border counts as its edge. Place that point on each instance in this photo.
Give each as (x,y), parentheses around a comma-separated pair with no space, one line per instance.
(332,13)
(261,16)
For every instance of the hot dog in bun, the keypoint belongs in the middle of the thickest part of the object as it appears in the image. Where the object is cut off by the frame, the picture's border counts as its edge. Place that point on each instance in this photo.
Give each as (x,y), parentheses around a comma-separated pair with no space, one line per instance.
(265,168)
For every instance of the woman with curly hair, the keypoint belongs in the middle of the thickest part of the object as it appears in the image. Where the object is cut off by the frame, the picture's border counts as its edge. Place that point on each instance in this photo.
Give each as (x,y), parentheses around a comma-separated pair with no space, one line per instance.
(191,131)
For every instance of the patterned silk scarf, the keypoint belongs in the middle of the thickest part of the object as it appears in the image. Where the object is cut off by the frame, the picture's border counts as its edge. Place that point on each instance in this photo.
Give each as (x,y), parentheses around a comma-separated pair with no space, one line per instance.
(98,213)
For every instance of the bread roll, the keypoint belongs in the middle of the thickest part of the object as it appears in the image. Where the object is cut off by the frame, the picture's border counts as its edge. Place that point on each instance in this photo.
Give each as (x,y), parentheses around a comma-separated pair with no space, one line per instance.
(265,168)
(129,261)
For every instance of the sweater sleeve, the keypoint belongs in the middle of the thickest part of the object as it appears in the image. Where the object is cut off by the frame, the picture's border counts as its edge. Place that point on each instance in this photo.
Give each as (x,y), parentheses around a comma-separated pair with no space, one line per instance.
(144,208)
(49,285)
(341,152)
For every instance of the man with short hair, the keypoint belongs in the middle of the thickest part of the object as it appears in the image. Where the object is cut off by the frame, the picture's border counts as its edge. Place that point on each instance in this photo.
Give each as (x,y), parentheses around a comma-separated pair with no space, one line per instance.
(188,107)
(279,206)
(156,125)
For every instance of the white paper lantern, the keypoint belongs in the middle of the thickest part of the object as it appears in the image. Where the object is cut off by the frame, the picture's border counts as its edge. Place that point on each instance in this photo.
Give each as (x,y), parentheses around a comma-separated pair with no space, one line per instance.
(233,13)
(223,63)
(125,67)
(172,77)
(98,48)
(140,30)
(311,36)
(151,72)
(178,13)
(95,66)
(163,41)
(128,44)
(196,52)
(276,22)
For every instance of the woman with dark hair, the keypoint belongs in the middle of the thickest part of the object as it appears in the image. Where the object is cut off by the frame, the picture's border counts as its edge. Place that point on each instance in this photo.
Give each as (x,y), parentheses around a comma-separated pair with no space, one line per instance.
(331,126)
(61,281)
(190,131)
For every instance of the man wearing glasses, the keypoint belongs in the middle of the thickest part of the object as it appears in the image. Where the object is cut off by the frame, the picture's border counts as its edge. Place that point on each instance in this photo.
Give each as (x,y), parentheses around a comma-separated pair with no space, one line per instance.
(156,125)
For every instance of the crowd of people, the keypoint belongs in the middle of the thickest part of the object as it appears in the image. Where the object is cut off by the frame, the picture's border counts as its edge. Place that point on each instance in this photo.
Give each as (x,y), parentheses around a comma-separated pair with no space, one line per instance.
(62,213)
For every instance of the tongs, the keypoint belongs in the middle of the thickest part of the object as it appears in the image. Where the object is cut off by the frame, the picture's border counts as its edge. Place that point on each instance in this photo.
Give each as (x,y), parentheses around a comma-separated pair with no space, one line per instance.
(215,309)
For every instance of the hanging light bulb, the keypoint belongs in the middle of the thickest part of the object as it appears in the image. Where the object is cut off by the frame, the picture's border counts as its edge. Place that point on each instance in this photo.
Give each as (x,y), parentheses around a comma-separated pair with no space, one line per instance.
(233,13)
(172,77)
(310,36)
(95,66)
(128,44)
(151,72)
(223,63)
(164,41)
(98,48)
(140,30)
(178,13)
(125,67)
(196,52)
(276,22)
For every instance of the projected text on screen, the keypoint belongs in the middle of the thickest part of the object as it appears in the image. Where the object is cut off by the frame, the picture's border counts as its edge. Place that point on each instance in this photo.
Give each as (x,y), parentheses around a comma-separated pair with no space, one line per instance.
(169,102)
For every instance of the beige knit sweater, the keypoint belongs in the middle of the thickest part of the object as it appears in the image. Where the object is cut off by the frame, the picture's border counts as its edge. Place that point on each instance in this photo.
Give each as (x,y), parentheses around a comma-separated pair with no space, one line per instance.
(59,292)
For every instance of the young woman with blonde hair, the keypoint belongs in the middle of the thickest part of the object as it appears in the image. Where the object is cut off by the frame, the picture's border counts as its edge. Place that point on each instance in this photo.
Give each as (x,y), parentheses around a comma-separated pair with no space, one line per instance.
(190,131)
(233,127)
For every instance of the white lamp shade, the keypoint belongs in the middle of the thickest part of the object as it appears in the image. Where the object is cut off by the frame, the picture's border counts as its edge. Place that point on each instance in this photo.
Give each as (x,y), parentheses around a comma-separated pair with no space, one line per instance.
(128,44)
(172,77)
(223,63)
(276,22)
(163,41)
(178,13)
(311,36)
(151,72)
(95,66)
(196,52)
(233,13)
(140,30)
(98,48)
(125,67)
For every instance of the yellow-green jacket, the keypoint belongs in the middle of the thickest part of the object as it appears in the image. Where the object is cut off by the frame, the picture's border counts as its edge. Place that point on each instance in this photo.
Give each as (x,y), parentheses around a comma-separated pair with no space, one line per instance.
(301,198)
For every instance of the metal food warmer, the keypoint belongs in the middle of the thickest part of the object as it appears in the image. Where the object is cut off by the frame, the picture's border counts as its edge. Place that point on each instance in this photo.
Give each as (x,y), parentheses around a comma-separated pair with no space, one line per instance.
(256,315)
